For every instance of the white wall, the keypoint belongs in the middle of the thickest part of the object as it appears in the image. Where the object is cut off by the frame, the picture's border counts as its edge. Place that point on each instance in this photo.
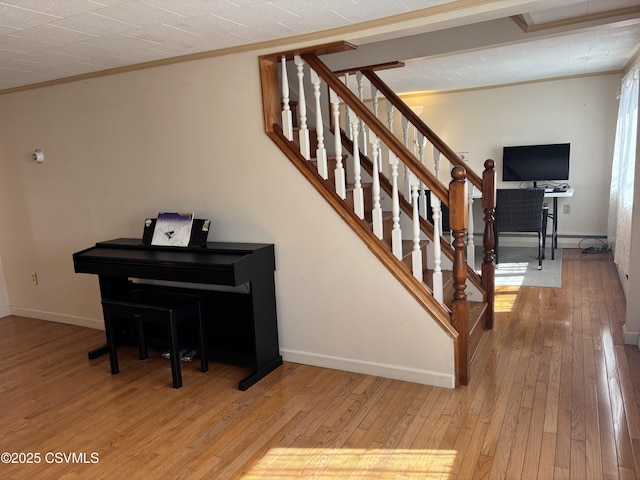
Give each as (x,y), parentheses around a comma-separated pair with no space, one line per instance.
(189,137)
(581,111)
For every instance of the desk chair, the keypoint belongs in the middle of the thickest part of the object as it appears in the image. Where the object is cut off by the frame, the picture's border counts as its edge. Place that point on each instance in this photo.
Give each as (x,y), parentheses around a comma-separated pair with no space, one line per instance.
(165,308)
(521,210)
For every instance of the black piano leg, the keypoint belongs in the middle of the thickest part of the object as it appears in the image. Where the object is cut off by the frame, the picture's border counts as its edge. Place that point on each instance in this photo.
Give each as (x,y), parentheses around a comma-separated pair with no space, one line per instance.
(265,329)
(98,352)
(110,287)
(259,374)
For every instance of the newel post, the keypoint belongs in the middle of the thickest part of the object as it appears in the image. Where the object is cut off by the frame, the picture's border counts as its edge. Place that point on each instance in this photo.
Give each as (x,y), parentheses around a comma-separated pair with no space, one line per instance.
(459,219)
(488,240)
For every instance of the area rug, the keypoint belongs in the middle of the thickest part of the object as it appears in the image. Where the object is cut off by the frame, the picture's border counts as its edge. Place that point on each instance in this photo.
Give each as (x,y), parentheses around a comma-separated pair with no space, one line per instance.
(519,267)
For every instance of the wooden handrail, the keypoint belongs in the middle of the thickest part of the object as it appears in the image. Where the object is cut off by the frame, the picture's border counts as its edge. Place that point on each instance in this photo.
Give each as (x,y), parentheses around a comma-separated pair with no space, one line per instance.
(416,121)
(376,68)
(385,135)
(326,49)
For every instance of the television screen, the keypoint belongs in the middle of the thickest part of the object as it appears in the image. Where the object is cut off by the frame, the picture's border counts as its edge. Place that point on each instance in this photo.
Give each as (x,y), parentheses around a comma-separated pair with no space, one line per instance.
(535,163)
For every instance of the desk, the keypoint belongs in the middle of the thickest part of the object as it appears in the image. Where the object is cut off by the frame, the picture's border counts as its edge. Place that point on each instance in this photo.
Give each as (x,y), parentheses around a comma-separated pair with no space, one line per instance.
(554,214)
(239,326)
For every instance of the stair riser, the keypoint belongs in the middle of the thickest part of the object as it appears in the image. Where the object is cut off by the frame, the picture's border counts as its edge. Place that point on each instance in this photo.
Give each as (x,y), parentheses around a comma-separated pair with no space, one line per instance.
(367,196)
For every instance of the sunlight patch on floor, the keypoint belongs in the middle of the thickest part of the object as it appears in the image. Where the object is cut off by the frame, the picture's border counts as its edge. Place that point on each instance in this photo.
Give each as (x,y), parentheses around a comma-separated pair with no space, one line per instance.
(512,274)
(504,299)
(352,463)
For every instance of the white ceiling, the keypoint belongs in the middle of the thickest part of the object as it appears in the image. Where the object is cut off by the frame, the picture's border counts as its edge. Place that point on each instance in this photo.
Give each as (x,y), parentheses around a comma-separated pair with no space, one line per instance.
(44,40)
(598,43)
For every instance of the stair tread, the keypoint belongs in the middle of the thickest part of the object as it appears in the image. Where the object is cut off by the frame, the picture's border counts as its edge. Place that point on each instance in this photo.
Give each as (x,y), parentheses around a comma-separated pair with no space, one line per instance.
(329,157)
(351,186)
(407,246)
(447,276)
(476,311)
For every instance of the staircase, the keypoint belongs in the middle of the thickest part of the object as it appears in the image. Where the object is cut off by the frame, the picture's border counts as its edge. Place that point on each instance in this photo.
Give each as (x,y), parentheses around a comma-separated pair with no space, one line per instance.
(375,173)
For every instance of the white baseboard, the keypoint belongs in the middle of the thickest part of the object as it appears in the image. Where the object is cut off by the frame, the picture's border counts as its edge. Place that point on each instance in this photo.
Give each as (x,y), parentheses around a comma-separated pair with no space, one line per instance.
(97,324)
(396,372)
(529,240)
(630,338)
(5,312)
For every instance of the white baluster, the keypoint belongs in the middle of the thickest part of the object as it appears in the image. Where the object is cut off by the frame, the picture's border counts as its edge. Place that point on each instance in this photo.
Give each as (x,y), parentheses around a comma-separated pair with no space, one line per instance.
(436,162)
(405,137)
(339,172)
(436,168)
(321,152)
(438,289)
(358,196)
(396,232)
(405,131)
(363,130)
(422,200)
(376,212)
(390,109)
(374,97)
(287,120)
(471,254)
(347,126)
(416,253)
(303,133)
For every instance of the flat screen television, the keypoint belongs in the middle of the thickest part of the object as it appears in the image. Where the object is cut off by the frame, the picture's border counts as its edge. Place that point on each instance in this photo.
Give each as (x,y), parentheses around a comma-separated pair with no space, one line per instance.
(536,163)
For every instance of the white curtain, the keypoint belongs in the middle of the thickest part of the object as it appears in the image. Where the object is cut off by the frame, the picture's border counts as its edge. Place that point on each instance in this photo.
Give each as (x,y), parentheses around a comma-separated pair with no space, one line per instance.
(623,171)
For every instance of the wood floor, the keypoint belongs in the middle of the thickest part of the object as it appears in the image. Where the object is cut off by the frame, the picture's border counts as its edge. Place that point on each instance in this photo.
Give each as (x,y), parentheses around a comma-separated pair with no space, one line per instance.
(554,395)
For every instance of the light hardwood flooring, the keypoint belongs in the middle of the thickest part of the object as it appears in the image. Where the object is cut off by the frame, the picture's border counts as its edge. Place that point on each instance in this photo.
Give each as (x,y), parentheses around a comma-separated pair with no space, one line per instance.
(554,395)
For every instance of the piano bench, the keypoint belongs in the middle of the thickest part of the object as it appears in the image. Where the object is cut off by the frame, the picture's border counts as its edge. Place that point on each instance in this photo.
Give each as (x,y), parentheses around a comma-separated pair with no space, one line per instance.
(160,307)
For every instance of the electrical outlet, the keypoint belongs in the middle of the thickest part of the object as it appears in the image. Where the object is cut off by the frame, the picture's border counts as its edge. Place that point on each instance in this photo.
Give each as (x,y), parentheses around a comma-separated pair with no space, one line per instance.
(567,208)
(34,278)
